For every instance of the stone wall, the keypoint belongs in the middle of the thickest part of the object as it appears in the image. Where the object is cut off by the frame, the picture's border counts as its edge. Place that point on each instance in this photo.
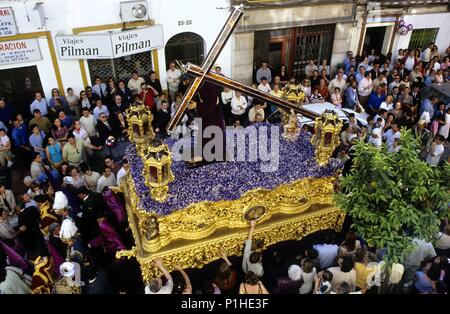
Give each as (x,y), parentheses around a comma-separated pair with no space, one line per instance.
(342,41)
(242,57)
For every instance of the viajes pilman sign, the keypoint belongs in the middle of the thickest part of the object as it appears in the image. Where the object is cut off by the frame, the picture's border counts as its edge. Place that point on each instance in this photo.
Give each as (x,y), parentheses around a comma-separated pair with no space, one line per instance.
(108,46)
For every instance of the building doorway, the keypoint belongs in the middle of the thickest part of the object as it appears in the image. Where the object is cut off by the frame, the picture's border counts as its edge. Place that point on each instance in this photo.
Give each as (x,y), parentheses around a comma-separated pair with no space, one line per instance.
(18,87)
(293,47)
(185,47)
(374,39)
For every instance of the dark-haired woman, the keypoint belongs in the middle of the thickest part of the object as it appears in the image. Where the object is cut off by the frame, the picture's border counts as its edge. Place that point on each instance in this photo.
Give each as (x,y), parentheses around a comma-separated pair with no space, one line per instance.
(53,151)
(252,285)
(225,277)
(57,103)
(351,243)
(59,132)
(283,75)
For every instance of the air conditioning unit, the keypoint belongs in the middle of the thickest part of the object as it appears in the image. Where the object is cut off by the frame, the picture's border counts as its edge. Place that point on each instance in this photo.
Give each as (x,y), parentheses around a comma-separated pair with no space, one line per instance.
(132,11)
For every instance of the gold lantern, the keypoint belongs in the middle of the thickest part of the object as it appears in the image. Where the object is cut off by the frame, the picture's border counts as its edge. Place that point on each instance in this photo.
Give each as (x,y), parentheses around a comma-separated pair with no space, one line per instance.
(140,119)
(157,161)
(326,135)
(293,93)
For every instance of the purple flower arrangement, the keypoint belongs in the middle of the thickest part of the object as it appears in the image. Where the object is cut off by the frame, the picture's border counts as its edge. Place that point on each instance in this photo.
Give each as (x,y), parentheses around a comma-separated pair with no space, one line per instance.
(231,179)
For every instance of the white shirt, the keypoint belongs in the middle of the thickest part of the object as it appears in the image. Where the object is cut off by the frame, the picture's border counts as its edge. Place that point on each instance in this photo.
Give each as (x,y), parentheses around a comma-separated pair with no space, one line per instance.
(376,141)
(227,96)
(327,254)
(4,140)
(91,180)
(426,55)
(339,276)
(264,88)
(445,129)
(365,87)
(420,252)
(436,66)
(166,289)
(173,79)
(308,281)
(443,241)
(375,119)
(409,63)
(256,268)
(238,106)
(106,181)
(135,85)
(435,155)
(89,124)
(385,106)
(342,84)
(390,138)
(81,134)
(122,172)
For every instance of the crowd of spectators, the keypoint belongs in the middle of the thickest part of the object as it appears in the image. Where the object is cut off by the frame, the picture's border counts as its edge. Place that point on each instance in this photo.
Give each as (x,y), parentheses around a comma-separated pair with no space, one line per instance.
(59,232)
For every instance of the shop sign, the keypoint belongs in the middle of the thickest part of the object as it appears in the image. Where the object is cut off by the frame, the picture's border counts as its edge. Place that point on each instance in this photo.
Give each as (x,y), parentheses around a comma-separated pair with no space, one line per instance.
(18,51)
(8,25)
(84,46)
(379,19)
(108,46)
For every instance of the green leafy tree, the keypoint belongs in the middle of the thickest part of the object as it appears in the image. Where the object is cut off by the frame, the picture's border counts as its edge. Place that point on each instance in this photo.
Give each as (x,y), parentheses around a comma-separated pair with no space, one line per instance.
(393,197)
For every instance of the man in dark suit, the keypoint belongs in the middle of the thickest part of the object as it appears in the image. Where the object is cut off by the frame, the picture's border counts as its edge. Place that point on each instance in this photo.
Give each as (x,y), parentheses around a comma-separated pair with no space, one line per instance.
(124,92)
(92,207)
(375,71)
(30,235)
(415,94)
(402,72)
(105,128)
(162,119)
(118,105)
(391,77)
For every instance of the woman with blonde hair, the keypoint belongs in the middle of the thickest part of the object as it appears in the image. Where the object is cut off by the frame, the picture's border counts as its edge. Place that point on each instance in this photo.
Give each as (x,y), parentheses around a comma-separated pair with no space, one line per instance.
(306,87)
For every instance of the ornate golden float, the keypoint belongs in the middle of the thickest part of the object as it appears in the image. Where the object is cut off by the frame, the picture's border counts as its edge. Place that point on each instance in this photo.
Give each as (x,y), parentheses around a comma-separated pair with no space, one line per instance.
(194,235)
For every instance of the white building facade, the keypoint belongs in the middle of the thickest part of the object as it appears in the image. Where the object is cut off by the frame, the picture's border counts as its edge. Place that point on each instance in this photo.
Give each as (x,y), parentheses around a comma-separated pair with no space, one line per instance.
(194,23)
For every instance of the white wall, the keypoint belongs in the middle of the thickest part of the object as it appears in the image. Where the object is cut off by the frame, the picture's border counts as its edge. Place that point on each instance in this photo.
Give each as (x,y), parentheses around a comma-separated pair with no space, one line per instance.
(207,21)
(441,21)
(64,15)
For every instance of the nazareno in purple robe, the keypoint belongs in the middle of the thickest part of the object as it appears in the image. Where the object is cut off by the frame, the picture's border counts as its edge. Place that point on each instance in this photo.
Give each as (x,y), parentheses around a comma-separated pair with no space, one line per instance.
(115,206)
(209,110)
(108,237)
(14,258)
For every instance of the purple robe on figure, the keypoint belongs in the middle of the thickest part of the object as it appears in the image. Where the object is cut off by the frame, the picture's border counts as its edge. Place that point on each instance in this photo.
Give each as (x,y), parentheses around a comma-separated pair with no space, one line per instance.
(57,259)
(14,258)
(73,199)
(108,237)
(115,205)
(209,110)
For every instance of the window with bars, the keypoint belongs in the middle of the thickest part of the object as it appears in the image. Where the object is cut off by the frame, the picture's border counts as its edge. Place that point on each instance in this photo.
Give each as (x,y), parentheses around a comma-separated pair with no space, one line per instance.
(312,43)
(121,68)
(185,47)
(422,37)
(18,87)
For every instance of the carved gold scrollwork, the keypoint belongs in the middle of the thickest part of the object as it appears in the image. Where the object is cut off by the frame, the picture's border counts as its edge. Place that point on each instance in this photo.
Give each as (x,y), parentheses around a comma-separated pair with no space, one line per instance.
(195,235)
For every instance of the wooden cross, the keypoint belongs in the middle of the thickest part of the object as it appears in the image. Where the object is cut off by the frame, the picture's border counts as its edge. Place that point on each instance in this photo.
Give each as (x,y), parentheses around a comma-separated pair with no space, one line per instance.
(203,73)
